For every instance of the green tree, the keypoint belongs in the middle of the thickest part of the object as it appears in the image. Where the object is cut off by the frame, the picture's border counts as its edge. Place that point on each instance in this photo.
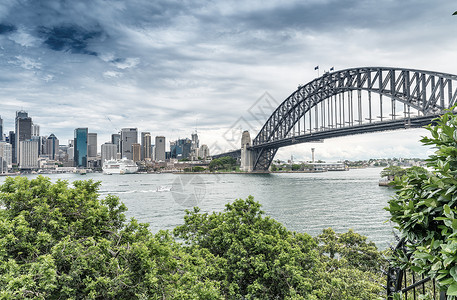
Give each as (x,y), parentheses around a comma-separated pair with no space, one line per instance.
(198,169)
(425,208)
(261,259)
(61,242)
(393,171)
(223,163)
(296,167)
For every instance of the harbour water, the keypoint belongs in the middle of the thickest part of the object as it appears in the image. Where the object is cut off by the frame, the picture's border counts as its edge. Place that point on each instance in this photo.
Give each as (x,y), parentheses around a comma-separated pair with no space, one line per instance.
(303,202)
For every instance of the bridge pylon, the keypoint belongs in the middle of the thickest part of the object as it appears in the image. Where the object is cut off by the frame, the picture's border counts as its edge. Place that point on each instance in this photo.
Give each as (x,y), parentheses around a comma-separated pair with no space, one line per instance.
(247,155)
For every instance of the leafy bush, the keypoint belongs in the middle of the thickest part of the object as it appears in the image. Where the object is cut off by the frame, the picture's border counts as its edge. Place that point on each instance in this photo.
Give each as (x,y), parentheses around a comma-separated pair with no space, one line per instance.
(425,208)
(58,242)
(263,260)
(63,242)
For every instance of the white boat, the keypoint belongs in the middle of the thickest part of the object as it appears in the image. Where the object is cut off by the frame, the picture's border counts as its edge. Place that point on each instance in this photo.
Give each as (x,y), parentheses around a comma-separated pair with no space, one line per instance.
(119,166)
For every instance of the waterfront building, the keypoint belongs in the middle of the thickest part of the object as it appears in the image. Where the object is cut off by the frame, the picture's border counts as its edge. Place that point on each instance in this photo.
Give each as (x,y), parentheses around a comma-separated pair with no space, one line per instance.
(136,152)
(181,149)
(92,145)
(6,153)
(40,143)
(1,128)
(203,152)
(108,152)
(12,141)
(80,147)
(159,148)
(3,166)
(23,132)
(328,166)
(52,147)
(194,147)
(195,141)
(116,140)
(146,144)
(28,154)
(129,136)
(71,156)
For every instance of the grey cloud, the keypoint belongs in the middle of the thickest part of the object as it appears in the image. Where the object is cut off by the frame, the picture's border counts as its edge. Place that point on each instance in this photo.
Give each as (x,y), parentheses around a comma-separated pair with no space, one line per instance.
(7,28)
(70,38)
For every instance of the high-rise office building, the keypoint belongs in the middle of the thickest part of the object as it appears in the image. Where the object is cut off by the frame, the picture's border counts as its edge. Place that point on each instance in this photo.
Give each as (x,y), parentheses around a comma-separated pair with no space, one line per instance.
(80,147)
(181,148)
(195,141)
(23,132)
(159,148)
(136,152)
(12,141)
(92,145)
(146,144)
(6,153)
(116,139)
(52,147)
(203,152)
(28,154)
(108,151)
(35,130)
(1,128)
(129,136)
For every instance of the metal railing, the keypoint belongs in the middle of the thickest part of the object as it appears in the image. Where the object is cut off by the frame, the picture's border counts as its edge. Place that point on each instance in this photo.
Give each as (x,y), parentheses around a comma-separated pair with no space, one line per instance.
(408,284)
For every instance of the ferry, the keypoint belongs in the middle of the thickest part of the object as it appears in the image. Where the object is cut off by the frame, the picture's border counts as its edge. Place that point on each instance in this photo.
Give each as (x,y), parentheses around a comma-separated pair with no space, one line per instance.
(119,166)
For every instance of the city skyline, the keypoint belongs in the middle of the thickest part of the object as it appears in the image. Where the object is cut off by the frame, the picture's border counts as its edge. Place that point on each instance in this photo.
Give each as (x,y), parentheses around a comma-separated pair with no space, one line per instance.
(170,68)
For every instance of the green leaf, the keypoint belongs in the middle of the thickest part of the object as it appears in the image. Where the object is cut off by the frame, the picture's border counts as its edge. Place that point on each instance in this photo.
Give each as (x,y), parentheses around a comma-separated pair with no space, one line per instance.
(453,272)
(452,290)
(448,261)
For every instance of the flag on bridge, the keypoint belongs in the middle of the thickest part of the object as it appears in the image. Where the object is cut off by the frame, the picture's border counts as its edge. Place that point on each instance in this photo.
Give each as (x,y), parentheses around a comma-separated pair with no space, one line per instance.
(316,68)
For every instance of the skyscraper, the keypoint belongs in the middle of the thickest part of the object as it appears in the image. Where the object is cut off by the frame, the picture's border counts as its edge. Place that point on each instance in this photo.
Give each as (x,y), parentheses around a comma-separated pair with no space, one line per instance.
(52,147)
(108,151)
(1,128)
(159,149)
(28,154)
(92,145)
(129,136)
(35,130)
(181,148)
(80,147)
(146,143)
(6,153)
(115,139)
(23,132)
(12,141)
(136,152)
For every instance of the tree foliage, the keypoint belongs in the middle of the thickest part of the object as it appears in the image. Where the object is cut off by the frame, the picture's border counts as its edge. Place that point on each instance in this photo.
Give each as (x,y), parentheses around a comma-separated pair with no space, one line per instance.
(58,242)
(226,163)
(263,260)
(393,171)
(425,208)
(62,242)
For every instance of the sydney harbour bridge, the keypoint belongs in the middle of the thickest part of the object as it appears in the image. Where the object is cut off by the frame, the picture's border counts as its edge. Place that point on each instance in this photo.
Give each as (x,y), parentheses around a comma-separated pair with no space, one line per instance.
(348,102)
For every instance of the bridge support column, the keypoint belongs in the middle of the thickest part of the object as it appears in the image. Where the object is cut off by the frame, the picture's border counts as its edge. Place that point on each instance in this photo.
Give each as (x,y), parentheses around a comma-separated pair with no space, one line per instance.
(247,155)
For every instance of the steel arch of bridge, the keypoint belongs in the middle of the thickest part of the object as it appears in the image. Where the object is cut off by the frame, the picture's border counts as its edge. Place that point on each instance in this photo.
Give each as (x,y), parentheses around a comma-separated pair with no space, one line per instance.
(427,92)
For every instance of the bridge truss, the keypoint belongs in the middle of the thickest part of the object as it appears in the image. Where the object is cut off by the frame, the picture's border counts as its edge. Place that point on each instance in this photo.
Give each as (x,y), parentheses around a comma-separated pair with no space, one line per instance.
(353,101)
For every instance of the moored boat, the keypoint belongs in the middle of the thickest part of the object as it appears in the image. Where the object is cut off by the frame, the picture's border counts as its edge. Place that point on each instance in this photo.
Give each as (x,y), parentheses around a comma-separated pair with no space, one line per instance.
(119,166)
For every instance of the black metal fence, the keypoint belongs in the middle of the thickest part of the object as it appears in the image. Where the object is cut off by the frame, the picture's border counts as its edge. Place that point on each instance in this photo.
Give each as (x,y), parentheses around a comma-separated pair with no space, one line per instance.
(406,283)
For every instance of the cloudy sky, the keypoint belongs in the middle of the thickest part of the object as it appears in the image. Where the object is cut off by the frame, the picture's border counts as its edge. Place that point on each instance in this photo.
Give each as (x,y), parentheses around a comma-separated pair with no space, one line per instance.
(170,66)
